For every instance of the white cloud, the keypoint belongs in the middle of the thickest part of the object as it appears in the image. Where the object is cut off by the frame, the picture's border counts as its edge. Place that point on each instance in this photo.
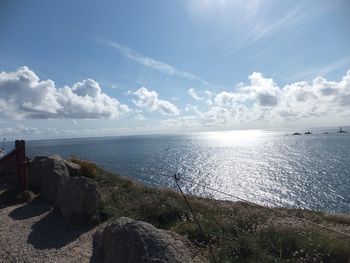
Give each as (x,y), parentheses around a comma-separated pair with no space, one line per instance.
(148,99)
(257,104)
(240,23)
(24,95)
(262,90)
(87,88)
(28,132)
(149,62)
(323,70)
(50,131)
(194,95)
(264,101)
(19,130)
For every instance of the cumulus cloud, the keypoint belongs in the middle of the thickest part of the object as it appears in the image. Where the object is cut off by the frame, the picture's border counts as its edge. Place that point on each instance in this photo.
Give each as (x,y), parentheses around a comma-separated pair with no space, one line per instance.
(148,99)
(24,95)
(263,102)
(263,90)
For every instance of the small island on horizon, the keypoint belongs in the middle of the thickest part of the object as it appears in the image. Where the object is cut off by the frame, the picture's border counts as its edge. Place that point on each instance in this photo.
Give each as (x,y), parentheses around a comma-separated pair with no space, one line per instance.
(325,132)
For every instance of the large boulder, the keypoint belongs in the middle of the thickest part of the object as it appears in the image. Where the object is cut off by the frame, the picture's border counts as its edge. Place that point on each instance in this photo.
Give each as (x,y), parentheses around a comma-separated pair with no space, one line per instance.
(39,167)
(129,241)
(55,175)
(36,172)
(79,199)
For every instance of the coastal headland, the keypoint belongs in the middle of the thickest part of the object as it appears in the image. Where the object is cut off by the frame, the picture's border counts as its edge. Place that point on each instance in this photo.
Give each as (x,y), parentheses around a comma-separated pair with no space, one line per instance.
(42,227)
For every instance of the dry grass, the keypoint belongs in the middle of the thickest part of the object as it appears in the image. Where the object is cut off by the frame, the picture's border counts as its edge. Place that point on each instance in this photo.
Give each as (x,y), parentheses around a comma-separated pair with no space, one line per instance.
(88,169)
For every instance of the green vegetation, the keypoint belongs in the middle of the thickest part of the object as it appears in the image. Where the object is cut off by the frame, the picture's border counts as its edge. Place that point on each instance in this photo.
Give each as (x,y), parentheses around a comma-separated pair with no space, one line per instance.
(238,232)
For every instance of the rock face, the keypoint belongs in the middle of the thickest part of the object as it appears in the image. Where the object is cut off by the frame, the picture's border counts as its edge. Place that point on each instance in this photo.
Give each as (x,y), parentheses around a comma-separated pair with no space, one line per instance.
(78,199)
(129,241)
(54,176)
(39,167)
(36,172)
(73,168)
(60,183)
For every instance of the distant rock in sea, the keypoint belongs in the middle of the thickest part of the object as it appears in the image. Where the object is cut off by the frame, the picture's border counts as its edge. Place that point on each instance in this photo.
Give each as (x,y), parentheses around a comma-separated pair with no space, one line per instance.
(308,132)
(296,133)
(341,130)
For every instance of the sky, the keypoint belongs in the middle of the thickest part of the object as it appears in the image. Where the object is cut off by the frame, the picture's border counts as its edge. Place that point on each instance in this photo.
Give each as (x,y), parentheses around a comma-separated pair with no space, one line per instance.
(102,68)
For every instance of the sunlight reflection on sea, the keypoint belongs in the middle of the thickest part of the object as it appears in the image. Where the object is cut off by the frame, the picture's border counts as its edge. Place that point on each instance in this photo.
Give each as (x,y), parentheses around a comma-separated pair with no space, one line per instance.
(267,167)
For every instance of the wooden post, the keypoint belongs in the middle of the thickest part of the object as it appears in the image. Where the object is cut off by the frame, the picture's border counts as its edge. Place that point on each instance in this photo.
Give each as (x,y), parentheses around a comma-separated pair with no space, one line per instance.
(21,164)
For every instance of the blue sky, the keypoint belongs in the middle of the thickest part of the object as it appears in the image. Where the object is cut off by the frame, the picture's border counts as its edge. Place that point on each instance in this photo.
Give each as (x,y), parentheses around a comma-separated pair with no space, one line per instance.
(171,66)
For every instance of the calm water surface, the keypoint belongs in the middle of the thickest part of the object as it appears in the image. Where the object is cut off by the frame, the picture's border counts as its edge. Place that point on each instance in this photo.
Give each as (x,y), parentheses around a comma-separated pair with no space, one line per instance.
(267,167)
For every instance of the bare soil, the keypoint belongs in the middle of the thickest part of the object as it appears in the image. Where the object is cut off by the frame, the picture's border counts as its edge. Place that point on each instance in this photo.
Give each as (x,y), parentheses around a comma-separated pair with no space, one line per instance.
(35,232)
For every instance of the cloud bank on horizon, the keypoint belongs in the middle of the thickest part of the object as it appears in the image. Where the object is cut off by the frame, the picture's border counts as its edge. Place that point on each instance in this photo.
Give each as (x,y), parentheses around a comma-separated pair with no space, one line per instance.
(23,95)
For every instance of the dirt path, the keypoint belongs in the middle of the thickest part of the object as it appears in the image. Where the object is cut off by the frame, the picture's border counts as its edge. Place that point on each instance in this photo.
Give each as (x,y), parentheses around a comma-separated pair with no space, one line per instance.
(34,232)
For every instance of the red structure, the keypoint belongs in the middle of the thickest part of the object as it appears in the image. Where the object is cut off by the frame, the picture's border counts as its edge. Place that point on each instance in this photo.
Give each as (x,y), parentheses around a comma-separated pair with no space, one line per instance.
(17,157)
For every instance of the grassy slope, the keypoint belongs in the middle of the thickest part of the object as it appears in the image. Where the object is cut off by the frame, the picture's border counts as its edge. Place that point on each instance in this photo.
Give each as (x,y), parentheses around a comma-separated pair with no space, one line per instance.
(238,232)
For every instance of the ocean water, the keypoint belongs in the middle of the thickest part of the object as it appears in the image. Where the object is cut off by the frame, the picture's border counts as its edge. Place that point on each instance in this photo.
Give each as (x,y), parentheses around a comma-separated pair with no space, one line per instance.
(267,167)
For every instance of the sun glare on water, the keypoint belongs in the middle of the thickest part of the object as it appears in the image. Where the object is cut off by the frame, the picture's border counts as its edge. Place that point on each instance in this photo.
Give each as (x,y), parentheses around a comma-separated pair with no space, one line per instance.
(227,138)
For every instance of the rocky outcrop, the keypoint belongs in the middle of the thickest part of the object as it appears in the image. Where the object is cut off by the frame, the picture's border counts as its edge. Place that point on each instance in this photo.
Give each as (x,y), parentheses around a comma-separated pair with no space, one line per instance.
(73,168)
(40,166)
(55,177)
(36,172)
(129,241)
(60,183)
(78,199)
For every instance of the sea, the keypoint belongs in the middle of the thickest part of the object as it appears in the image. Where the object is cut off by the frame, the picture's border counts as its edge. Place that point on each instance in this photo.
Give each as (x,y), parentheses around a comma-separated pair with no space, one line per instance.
(268,167)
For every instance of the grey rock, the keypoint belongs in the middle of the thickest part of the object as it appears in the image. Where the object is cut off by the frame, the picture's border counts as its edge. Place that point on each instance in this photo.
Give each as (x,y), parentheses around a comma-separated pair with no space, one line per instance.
(79,199)
(54,176)
(36,172)
(38,169)
(129,241)
(73,168)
